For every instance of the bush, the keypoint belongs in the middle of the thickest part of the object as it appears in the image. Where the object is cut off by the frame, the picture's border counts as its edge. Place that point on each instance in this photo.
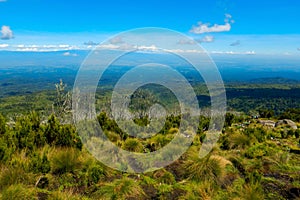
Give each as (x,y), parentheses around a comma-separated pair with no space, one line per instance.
(203,169)
(124,188)
(39,164)
(12,175)
(132,144)
(64,160)
(67,137)
(258,132)
(163,176)
(297,133)
(18,191)
(59,195)
(61,135)
(259,150)
(239,141)
(3,150)
(95,173)
(2,125)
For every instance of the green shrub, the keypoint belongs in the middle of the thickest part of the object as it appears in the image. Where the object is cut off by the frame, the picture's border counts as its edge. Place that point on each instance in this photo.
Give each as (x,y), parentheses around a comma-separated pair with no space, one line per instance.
(63,195)
(297,133)
(259,150)
(64,160)
(2,125)
(95,173)
(18,191)
(203,169)
(132,144)
(61,135)
(258,132)
(163,176)
(52,129)
(12,175)
(39,164)
(239,141)
(124,188)
(67,137)
(3,150)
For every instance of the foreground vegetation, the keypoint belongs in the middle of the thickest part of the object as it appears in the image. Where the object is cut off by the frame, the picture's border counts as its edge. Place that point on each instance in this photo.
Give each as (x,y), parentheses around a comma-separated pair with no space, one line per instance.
(46,160)
(42,156)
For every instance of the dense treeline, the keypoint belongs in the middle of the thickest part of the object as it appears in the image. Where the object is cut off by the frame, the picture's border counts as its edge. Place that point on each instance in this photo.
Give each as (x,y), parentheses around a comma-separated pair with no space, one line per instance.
(247,98)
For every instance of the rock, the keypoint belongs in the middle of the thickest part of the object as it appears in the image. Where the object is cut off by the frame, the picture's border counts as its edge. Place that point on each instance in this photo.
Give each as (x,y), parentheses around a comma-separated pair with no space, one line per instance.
(287,122)
(268,123)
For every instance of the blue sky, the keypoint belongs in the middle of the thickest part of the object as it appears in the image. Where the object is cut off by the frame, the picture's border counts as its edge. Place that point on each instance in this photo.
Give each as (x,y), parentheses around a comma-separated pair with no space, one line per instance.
(228,26)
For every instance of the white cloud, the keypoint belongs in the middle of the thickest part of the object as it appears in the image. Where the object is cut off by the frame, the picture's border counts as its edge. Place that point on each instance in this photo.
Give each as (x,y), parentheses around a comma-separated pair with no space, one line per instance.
(207,39)
(2,0)
(234,53)
(250,53)
(70,54)
(91,43)
(63,46)
(28,49)
(228,16)
(4,45)
(184,51)
(116,40)
(148,48)
(206,28)
(298,49)
(7,33)
(44,48)
(109,46)
(49,46)
(128,47)
(183,42)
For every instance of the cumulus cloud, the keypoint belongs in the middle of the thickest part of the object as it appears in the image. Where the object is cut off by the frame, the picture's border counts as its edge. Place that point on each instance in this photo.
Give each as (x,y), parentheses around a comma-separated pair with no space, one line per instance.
(147,48)
(116,40)
(207,39)
(236,43)
(45,48)
(91,43)
(34,49)
(184,42)
(69,54)
(206,28)
(250,53)
(228,16)
(4,45)
(129,47)
(7,33)
(234,53)
(109,46)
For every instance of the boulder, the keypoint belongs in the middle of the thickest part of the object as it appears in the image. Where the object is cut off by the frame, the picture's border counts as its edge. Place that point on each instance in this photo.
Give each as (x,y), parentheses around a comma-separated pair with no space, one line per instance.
(287,122)
(268,123)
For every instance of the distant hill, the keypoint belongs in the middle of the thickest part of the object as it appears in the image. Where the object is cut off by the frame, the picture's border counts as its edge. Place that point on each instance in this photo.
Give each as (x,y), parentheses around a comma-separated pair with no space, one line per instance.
(274,80)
